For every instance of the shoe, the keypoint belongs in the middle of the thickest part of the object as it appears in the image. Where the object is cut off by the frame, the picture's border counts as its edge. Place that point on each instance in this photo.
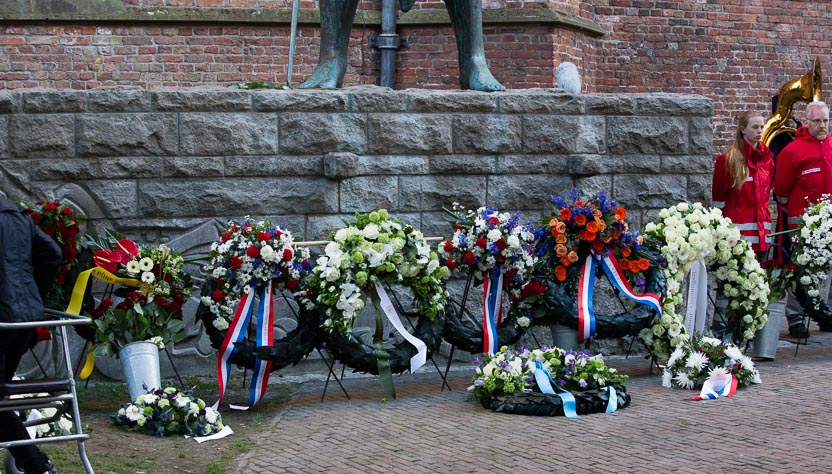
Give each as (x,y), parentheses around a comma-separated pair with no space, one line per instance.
(799,331)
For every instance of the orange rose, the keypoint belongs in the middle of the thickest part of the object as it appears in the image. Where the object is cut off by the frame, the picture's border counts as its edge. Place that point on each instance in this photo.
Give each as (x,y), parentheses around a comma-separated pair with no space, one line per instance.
(553,222)
(561,239)
(560,273)
(601,226)
(555,232)
(643,264)
(561,250)
(598,246)
(620,214)
(625,251)
(572,256)
(597,213)
(565,261)
(561,227)
(580,219)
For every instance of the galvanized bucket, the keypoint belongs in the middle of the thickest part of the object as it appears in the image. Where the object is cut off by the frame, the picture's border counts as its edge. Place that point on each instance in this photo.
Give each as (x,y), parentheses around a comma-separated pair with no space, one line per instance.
(766,339)
(564,337)
(140,361)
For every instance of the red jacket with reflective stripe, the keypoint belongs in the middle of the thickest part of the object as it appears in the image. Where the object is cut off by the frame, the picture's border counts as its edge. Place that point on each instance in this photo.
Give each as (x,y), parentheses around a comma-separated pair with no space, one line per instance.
(747,207)
(804,173)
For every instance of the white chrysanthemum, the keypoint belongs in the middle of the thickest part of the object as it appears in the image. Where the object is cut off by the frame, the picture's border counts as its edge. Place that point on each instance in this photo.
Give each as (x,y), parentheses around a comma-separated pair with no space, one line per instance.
(717,372)
(696,360)
(683,381)
(147,398)
(733,352)
(220,323)
(667,379)
(523,321)
(676,355)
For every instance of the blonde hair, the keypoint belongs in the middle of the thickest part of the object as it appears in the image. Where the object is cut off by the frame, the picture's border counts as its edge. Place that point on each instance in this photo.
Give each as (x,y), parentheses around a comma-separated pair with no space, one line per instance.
(735,163)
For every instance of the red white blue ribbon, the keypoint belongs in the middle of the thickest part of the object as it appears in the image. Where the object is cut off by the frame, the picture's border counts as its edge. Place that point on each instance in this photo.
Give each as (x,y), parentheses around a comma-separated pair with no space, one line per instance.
(492,308)
(586,284)
(724,385)
(237,333)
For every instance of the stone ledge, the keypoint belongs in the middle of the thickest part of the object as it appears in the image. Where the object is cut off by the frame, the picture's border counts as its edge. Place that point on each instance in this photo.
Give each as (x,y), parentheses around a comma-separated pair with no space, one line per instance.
(116,11)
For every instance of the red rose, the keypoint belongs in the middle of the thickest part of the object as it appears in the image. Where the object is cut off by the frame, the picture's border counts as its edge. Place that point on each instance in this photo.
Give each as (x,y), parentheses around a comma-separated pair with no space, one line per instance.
(469,258)
(451,264)
(252,251)
(217,296)
(501,244)
(481,242)
(49,230)
(226,236)
(493,220)
(246,229)
(36,217)
(235,262)
(50,207)
(66,211)
(178,298)
(263,236)
(287,255)
(448,246)
(291,284)
(234,227)
(160,301)
(277,233)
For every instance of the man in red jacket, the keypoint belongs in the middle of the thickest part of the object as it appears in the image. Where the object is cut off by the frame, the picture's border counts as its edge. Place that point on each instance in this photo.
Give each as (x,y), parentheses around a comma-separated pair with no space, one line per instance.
(803,174)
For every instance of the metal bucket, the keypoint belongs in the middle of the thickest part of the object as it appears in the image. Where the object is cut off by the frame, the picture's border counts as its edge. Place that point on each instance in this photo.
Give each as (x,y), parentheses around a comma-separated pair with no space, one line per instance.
(140,361)
(765,340)
(564,337)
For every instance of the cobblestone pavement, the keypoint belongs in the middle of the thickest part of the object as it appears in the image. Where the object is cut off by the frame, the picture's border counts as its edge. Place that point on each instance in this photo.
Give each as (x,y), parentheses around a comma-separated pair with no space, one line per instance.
(782,425)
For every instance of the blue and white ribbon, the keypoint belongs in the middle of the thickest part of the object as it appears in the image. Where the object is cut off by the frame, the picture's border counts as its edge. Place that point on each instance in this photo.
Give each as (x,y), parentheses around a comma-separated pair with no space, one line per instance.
(545,382)
(492,309)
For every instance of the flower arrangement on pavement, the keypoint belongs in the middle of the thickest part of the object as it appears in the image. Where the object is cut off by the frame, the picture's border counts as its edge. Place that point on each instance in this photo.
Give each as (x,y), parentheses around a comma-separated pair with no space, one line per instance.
(249,254)
(152,287)
(169,411)
(693,362)
(512,372)
(690,232)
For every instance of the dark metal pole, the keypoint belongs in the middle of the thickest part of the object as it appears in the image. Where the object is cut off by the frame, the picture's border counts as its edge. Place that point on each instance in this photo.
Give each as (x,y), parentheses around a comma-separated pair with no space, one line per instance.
(388,42)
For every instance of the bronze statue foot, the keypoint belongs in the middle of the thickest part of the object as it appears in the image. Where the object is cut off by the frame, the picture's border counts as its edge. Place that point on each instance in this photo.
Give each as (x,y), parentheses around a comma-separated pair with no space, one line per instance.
(328,75)
(477,77)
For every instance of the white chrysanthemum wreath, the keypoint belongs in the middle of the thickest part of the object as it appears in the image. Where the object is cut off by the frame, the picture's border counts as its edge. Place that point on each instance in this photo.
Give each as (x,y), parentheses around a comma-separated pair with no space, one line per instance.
(376,249)
(689,232)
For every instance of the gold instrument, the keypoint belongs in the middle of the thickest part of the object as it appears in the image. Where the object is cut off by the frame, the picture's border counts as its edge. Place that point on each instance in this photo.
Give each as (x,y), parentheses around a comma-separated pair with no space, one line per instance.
(806,88)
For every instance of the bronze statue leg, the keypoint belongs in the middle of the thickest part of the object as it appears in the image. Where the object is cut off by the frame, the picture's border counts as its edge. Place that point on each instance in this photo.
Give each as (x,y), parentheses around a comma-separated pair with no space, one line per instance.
(466,18)
(336,24)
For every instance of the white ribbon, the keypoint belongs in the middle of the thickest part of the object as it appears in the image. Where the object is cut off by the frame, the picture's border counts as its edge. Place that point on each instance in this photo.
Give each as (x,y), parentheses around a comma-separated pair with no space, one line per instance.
(225,431)
(387,306)
(697,307)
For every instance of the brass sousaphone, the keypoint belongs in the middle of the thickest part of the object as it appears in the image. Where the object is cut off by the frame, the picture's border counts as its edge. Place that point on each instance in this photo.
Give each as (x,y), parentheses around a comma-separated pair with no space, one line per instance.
(806,88)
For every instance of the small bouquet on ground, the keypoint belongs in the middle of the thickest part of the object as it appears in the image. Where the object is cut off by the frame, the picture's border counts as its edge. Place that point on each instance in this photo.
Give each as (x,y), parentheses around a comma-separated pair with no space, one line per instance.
(169,411)
(250,254)
(61,426)
(152,289)
(486,240)
(694,362)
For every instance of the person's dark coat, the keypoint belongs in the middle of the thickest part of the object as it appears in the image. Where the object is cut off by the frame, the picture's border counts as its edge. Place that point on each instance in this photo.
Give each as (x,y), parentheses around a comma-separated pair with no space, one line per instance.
(29,263)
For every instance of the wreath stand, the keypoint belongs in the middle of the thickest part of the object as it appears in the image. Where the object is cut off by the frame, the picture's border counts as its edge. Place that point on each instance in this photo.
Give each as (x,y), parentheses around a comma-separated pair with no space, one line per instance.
(332,375)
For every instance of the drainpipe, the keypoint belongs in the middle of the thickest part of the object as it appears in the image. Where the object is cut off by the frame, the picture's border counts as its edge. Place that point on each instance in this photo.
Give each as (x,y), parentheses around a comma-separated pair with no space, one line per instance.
(388,42)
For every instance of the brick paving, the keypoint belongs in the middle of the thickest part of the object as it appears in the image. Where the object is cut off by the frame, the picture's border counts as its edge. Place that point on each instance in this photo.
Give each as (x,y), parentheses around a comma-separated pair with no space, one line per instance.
(782,425)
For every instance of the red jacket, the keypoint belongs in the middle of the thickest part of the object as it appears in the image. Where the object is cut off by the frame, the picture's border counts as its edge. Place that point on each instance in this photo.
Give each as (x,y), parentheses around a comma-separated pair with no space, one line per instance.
(804,174)
(748,207)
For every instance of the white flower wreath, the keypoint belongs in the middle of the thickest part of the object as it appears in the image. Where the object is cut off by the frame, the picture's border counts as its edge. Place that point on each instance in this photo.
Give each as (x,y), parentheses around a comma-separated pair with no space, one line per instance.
(377,248)
(689,232)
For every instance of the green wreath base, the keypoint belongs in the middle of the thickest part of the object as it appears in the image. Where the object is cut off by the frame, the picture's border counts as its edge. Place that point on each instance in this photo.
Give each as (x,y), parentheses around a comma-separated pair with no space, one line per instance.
(361,357)
(286,351)
(538,404)
(561,299)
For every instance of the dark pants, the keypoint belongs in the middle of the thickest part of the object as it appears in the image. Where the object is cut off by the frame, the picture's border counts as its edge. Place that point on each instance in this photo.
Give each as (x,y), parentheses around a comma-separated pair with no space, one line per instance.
(13,344)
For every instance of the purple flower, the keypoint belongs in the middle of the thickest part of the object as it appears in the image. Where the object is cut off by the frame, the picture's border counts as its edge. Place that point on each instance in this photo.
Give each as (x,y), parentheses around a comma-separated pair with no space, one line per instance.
(478,383)
(582,383)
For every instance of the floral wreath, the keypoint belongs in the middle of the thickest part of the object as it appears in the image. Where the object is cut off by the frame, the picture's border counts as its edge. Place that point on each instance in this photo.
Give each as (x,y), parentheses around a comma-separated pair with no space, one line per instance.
(376,251)
(692,363)
(250,254)
(811,256)
(508,381)
(687,233)
(486,240)
(580,233)
(169,411)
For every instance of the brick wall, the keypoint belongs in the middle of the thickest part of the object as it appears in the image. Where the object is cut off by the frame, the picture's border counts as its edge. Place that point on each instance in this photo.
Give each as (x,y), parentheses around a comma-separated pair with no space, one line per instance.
(736,52)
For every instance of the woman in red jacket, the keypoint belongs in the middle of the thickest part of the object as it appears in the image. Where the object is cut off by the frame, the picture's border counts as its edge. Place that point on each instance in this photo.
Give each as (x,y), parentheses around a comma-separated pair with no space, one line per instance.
(742,182)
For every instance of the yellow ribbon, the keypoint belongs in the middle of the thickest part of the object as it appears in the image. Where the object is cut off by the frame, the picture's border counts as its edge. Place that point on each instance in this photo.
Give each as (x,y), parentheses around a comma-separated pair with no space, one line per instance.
(77,299)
